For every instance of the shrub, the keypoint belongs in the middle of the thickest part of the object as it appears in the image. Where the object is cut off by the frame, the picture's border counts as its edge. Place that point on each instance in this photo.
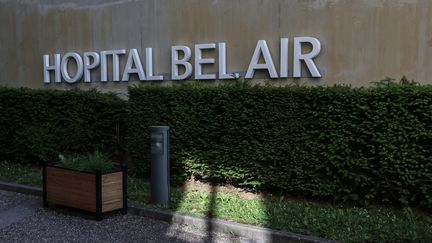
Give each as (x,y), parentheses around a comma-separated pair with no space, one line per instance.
(87,163)
(339,143)
(37,125)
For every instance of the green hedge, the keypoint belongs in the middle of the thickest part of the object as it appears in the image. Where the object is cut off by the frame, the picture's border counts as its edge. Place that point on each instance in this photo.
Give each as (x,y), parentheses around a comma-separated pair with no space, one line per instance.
(340,143)
(38,125)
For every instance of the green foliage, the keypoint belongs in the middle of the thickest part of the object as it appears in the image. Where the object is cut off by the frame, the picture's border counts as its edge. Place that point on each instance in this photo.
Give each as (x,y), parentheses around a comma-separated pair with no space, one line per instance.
(37,125)
(88,163)
(344,224)
(387,82)
(70,162)
(22,174)
(340,143)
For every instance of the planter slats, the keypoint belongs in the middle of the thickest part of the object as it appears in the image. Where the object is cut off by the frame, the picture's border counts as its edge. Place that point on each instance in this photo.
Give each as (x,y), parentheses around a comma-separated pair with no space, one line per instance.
(112,178)
(111,196)
(112,205)
(112,191)
(72,189)
(97,193)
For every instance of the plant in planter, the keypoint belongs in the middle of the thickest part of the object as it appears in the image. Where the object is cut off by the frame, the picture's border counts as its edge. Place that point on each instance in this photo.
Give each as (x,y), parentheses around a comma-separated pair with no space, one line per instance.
(89,182)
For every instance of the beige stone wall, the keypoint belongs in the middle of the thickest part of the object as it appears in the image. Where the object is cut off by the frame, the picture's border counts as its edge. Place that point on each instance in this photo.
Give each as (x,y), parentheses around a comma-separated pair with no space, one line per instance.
(362,40)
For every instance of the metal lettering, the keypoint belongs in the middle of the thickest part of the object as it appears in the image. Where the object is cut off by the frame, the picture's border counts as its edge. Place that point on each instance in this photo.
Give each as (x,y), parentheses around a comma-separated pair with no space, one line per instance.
(181,62)
(133,60)
(89,65)
(200,61)
(149,66)
(283,58)
(307,58)
(223,63)
(175,62)
(55,68)
(79,67)
(261,48)
(115,64)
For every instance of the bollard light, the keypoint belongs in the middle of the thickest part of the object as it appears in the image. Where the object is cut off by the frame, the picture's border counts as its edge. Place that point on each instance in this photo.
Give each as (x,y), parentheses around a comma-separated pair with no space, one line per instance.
(160,164)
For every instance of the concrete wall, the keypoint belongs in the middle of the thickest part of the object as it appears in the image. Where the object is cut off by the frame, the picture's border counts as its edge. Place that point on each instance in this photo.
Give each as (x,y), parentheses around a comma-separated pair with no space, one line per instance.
(362,40)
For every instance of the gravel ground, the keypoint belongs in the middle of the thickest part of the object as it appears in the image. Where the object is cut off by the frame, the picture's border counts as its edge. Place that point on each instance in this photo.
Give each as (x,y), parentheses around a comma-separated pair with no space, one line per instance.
(59,224)
(10,199)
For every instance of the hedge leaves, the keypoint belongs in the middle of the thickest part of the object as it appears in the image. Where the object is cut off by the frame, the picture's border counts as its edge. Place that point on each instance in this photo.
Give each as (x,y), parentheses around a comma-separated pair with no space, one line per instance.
(339,143)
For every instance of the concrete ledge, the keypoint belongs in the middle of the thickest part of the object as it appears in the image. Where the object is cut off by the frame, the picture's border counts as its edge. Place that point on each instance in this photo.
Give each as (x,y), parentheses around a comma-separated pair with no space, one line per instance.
(219,226)
(29,190)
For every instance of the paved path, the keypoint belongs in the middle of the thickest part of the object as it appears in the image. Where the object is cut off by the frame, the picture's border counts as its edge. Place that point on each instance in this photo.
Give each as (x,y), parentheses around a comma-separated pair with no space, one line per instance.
(22,219)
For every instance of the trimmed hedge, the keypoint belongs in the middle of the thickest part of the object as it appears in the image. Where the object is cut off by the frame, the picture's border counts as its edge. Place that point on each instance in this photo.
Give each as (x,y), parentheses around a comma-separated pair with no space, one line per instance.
(38,125)
(340,143)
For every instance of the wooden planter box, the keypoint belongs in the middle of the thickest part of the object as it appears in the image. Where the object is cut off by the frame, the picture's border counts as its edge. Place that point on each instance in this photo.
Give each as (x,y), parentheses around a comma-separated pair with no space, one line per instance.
(94,192)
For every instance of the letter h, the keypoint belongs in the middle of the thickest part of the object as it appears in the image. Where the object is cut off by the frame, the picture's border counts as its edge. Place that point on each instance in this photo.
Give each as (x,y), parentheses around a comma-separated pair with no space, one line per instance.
(48,68)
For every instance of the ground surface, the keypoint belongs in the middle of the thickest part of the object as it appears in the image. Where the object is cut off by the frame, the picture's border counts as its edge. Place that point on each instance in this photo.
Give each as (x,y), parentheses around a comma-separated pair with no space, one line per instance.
(22,219)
